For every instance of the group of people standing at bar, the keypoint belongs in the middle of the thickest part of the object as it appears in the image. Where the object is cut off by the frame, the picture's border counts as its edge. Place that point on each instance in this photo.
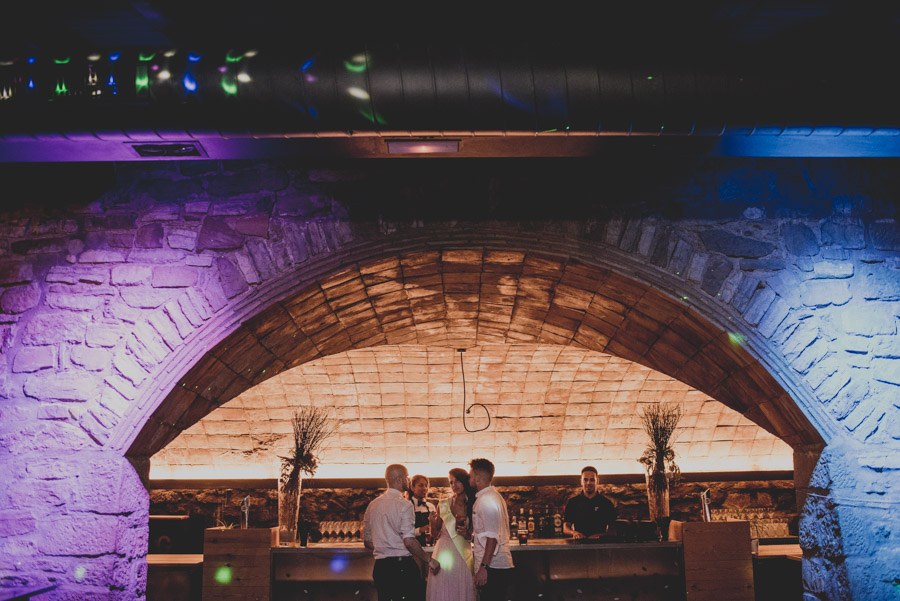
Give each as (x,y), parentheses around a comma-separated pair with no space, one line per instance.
(472,548)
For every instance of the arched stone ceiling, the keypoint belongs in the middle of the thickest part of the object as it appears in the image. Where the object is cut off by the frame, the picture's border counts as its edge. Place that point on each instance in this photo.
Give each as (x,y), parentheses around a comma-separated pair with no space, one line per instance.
(465,298)
(553,409)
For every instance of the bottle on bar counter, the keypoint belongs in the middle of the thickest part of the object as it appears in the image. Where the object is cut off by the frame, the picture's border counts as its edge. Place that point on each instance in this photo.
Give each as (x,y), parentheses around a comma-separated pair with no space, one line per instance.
(557,524)
(523,527)
(542,522)
(531,523)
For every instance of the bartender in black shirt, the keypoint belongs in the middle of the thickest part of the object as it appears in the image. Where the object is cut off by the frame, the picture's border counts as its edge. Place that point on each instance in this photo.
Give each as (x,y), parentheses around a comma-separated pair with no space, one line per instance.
(422,508)
(589,514)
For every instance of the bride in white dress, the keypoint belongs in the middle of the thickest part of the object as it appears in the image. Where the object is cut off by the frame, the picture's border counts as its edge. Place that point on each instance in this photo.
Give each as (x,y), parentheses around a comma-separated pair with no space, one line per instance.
(455,581)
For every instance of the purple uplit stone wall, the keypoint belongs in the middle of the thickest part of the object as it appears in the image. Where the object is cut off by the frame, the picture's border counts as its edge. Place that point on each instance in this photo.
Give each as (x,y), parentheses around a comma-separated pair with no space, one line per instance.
(105,303)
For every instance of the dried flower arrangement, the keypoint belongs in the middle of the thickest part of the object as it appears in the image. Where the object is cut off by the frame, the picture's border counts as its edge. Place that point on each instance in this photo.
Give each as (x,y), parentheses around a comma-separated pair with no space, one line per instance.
(660,420)
(312,427)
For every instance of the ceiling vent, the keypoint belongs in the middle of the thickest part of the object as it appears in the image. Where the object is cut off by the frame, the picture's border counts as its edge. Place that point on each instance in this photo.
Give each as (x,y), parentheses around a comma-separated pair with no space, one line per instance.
(169,150)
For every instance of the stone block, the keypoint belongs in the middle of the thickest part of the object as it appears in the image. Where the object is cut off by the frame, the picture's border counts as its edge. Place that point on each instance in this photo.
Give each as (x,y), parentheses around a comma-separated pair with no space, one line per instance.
(717,269)
(821,293)
(762,264)
(774,317)
(182,239)
(760,302)
(732,245)
(810,355)
(173,276)
(150,342)
(199,260)
(117,310)
(91,359)
(34,246)
(73,302)
(147,298)
(20,298)
(869,319)
(885,234)
(681,257)
(94,428)
(799,240)
(197,207)
(245,264)
(215,234)
(102,335)
(166,329)
(53,328)
(259,252)
(832,270)
(155,256)
(65,386)
(16,272)
(255,225)
(15,522)
(188,306)
(174,312)
(149,236)
(744,292)
(130,275)
(77,274)
(79,534)
(123,387)
(120,239)
(886,370)
(845,235)
(230,278)
(836,254)
(880,282)
(43,436)
(101,256)
(30,359)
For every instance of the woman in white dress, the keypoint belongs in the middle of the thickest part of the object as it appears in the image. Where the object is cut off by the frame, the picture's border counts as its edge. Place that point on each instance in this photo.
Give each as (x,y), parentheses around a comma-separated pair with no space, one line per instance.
(455,581)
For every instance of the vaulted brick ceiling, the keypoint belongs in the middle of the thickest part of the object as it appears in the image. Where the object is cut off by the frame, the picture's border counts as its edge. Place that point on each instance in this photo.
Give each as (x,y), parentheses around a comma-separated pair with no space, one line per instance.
(553,409)
(466,298)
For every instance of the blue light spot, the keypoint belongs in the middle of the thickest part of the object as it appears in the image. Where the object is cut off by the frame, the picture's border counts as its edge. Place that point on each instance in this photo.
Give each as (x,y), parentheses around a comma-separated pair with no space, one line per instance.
(30,60)
(193,58)
(313,112)
(114,57)
(307,64)
(30,84)
(111,81)
(190,84)
(339,564)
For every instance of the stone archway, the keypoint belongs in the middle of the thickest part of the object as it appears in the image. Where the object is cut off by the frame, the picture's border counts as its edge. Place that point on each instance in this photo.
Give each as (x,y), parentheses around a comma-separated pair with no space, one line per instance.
(110,306)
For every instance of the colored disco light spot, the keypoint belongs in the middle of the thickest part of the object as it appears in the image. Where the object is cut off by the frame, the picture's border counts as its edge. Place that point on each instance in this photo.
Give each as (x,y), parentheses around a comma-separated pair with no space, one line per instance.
(251,53)
(62,61)
(164,74)
(310,78)
(358,93)
(190,84)
(243,78)
(31,60)
(446,559)
(169,53)
(223,69)
(61,88)
(339,563)
(307,64)
(80,571)
(230,88)
(736,339)
(141,82)
(193,58)
(93,57)
(233,59)
(30,84)
(354,68)
(114,57)
(371,116)
(223,575)
(145,58)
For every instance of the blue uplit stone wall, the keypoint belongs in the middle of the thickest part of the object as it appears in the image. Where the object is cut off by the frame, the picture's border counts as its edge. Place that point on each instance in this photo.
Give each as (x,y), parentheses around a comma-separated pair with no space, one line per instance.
(104,298)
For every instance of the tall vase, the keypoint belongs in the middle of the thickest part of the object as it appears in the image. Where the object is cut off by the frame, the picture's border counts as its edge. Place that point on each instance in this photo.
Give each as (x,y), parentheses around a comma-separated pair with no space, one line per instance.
(288,507)
(658,500)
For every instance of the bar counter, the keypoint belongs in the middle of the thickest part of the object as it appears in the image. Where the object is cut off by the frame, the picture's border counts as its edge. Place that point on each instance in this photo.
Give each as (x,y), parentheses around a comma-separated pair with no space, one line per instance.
(545,569)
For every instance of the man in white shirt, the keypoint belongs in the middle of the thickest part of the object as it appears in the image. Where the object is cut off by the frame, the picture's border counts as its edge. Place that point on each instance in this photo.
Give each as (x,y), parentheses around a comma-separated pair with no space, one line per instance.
(390,535)
(490,522)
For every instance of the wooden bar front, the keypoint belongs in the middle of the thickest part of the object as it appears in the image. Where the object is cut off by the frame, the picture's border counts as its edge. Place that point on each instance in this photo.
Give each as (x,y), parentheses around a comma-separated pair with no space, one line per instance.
(545,569)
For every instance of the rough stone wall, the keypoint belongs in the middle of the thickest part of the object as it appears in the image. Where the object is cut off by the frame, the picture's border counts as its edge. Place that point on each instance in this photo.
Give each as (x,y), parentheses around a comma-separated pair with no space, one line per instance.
(102,303)
(342,504)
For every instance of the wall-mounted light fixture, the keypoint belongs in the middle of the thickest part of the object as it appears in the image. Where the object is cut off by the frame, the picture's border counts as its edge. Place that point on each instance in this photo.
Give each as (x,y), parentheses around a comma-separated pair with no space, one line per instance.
(422,146)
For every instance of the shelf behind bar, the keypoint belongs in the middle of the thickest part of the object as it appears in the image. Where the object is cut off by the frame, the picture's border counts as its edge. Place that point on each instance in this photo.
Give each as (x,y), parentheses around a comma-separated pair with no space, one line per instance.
(563,480)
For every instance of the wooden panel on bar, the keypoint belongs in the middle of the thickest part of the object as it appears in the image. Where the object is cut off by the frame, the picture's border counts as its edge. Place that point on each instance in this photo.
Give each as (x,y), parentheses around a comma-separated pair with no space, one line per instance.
(717,560)
(237,563)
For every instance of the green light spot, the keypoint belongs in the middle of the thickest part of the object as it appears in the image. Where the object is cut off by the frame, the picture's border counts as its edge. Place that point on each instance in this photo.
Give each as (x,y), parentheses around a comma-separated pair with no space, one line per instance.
(80,571)
(684,298)
(550,131)
(62,61)
(223,575)
(354,68)
(233,59)
(141,82)
(229,87)
(61,88)
(373,117)
(146,57)
(649,77)
(736,339)
(446,559)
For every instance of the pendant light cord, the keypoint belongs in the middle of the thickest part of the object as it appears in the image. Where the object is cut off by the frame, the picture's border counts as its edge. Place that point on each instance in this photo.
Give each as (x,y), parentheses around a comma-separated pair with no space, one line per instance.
(468,409)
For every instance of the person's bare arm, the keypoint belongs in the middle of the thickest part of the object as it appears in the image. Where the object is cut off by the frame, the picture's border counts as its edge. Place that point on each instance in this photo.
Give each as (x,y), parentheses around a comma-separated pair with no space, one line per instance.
(569,529)
(413,546)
